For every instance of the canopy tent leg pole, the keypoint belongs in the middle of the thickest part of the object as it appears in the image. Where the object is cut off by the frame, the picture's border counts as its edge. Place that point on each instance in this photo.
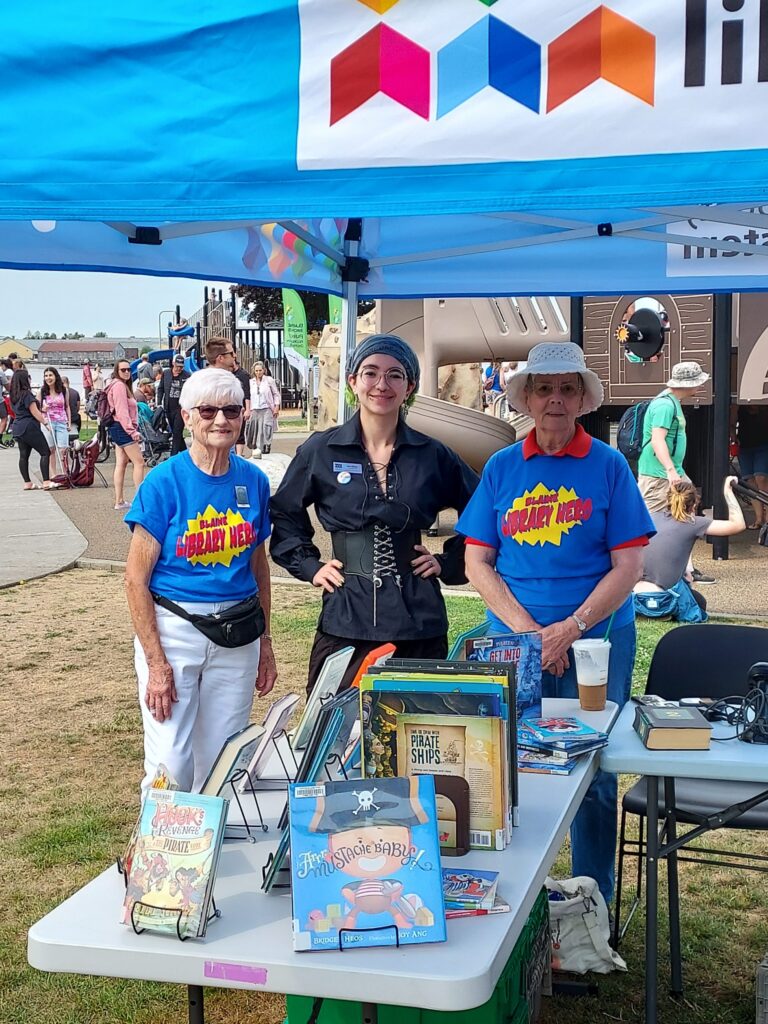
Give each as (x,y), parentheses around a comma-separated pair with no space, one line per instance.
(349,292)
(721,402)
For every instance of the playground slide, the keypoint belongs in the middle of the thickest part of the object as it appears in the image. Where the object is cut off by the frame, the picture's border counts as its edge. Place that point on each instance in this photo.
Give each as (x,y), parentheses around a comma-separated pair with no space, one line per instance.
(473,435)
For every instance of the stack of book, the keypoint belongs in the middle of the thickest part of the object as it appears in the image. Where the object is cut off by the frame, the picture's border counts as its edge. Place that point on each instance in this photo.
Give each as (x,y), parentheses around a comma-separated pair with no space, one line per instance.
(554,746)
(452,723)
(471,893)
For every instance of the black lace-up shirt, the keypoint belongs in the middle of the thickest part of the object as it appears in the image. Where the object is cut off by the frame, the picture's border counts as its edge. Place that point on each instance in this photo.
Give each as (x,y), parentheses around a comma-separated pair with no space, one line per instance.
(332,472)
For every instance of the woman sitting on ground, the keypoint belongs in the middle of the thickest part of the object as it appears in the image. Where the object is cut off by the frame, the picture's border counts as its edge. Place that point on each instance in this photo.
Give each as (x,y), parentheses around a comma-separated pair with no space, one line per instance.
(26,429)
(199,525)
(668,553)
(124,431)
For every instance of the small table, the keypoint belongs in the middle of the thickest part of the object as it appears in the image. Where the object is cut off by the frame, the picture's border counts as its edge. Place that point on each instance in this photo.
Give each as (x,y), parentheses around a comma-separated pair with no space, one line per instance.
(732,761)
(250,946)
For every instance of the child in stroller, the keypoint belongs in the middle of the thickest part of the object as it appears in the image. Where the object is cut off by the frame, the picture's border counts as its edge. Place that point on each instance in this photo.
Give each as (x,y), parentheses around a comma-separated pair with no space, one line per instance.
(156,437)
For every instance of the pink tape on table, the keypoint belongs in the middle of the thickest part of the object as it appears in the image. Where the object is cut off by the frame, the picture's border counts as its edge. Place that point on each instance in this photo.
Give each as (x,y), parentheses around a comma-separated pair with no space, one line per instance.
(235,972)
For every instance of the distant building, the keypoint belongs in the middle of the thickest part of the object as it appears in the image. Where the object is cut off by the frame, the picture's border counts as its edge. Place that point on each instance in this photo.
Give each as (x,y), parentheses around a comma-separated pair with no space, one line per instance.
(13,345)
(98,350)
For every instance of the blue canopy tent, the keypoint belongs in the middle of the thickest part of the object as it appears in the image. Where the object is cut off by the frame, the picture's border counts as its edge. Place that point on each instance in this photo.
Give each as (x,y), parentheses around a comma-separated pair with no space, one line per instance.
(390,148)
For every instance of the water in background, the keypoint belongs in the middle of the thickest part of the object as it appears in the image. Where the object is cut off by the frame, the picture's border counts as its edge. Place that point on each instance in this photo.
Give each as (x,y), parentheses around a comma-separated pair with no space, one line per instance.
(75,374)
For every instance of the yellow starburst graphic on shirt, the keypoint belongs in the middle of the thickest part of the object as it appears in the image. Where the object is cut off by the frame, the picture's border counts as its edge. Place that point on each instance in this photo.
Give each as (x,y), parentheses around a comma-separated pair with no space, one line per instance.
(215,538)
(543,515)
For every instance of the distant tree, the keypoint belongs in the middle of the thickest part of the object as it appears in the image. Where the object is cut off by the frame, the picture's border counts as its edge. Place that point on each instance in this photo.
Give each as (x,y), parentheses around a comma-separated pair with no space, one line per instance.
(145,351)
(49,335)
(33,335)
(101,334)
(265,305)
(74,336)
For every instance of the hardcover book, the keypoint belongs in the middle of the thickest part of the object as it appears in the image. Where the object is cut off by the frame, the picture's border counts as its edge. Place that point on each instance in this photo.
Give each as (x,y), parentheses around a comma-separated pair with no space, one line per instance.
(672,728)
(500,906)
(523,650)
(234,758)
(170,882)
(542,762)
(365,864)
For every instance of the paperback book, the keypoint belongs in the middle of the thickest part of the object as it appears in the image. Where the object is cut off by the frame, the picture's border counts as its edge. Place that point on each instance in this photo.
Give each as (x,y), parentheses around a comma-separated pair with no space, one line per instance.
(162,779)
(523,650)
(564,733)
(365,864)
(170,881)
(233,760)
(470,747)
(327,684)
(273,725)
(543,762)
(500,906)
(469,888)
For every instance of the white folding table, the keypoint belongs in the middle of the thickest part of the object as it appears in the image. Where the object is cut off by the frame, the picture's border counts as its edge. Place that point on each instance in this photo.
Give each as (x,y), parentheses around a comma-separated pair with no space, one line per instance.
(726,760)
(250,945)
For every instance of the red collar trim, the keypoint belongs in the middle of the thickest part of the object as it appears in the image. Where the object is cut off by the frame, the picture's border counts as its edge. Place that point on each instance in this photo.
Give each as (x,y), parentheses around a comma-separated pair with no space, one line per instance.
(579,446)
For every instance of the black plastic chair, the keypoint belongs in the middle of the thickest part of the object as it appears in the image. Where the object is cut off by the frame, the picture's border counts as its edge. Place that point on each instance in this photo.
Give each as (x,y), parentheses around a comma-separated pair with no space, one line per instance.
(705,660)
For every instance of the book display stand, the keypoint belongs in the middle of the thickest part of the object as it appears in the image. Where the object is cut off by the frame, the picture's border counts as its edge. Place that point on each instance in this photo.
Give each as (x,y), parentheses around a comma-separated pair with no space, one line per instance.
(182,938)
(238,776)
(283,873)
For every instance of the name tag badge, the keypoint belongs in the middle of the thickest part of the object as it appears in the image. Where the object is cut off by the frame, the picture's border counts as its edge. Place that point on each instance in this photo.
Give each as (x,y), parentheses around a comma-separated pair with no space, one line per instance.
(347,467)
(241,496)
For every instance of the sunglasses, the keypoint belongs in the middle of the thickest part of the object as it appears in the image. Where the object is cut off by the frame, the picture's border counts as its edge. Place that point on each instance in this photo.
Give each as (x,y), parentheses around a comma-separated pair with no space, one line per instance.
(124,369)
(209,412)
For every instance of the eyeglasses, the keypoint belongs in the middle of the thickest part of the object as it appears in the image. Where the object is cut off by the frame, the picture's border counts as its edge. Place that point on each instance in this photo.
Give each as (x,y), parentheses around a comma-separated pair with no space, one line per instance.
(209,412)
(124,369)
(544,389)
(394,377)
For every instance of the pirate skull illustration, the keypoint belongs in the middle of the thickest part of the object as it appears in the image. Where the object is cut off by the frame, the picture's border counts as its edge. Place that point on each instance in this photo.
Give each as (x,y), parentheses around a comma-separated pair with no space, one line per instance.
(365,800)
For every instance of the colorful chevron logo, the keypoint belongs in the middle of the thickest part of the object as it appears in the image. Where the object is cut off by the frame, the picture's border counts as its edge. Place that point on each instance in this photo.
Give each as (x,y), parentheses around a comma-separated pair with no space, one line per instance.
(603,45)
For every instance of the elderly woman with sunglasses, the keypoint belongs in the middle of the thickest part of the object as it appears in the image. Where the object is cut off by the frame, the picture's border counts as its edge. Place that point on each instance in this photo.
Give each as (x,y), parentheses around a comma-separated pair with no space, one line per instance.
(199,525)
(555,536)
(375,485)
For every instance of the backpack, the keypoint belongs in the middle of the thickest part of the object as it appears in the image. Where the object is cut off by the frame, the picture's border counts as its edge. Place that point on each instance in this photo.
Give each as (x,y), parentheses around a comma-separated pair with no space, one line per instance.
(629,435)
(105,412)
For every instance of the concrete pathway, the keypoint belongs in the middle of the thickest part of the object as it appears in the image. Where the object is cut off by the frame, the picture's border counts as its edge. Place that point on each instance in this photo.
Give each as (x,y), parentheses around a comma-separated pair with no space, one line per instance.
(38,537)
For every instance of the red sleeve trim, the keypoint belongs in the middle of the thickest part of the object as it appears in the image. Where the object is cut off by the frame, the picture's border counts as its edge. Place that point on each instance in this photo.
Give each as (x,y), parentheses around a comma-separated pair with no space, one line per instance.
(479,543)
(638,542)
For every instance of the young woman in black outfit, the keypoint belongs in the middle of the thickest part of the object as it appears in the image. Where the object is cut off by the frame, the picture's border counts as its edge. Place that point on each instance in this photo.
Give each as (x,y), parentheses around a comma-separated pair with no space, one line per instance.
(375,485)
(26,429)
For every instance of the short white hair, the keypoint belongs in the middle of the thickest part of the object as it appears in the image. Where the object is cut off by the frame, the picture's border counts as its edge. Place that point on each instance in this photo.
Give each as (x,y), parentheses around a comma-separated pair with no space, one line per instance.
(211,387)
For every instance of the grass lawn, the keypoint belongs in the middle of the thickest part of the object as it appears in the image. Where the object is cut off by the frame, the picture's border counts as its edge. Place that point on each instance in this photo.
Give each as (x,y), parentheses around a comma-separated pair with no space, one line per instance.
(68,796)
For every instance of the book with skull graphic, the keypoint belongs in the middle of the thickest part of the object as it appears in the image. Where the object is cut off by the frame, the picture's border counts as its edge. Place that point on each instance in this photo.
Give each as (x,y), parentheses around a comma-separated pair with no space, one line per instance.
(365,864)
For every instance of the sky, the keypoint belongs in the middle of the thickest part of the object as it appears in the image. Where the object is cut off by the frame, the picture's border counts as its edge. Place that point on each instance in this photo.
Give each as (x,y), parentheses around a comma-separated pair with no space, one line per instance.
(123,305)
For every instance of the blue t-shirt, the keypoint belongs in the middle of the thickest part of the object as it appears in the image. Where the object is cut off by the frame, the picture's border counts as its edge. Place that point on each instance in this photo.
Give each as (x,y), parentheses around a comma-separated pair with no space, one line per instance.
(554,520)
(208,528)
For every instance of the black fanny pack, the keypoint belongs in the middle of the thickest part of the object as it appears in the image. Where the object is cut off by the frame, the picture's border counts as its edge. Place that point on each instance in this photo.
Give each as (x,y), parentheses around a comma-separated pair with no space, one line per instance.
(237,626)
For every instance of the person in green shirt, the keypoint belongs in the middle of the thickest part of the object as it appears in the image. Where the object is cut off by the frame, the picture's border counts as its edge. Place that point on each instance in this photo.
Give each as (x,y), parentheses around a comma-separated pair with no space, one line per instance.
(664,441)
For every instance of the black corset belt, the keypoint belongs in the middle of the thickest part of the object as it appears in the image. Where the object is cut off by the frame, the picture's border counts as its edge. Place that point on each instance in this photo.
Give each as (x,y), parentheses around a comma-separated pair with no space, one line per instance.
(376,552)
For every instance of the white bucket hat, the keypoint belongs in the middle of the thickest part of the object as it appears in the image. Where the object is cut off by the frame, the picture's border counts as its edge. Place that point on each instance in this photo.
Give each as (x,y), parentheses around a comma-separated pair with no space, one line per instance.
(687,375)
(557,357)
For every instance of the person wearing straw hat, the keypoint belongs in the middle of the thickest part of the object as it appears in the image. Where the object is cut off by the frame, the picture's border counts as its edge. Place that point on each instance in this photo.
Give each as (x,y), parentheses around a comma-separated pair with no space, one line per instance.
(664,440)
(554,537)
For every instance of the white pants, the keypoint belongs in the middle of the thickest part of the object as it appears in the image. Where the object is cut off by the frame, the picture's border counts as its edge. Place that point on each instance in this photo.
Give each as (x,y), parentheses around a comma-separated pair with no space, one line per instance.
(215,687)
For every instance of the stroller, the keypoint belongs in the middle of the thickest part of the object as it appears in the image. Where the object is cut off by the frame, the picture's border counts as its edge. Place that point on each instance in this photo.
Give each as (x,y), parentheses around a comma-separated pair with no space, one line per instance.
(7,441)
(156,437)
(81,465)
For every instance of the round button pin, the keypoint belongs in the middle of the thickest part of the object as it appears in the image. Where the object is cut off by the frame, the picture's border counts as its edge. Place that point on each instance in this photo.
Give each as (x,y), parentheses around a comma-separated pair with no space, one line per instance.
(344,477)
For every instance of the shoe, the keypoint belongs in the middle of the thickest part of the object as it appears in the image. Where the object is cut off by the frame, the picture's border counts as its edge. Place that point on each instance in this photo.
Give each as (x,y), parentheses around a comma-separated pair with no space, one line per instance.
(266,449)
(702,578)
(256,453)
(122,506)
(50,486)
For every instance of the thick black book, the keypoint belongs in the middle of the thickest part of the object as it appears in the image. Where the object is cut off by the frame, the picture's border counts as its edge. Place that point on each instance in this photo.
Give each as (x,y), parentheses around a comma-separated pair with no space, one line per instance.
(672,728)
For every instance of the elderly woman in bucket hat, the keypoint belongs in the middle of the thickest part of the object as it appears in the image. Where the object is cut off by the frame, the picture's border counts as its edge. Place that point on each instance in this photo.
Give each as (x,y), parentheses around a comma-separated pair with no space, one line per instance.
(664,440)
(375,485)
(554,544)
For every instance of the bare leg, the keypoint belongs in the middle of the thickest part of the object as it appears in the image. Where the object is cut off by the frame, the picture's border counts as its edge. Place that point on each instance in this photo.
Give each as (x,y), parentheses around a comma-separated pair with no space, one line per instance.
(121,462)
(133,452)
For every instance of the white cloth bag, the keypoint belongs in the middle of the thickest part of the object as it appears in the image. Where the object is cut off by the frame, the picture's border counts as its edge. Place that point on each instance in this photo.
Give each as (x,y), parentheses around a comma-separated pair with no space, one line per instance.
(580,928)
